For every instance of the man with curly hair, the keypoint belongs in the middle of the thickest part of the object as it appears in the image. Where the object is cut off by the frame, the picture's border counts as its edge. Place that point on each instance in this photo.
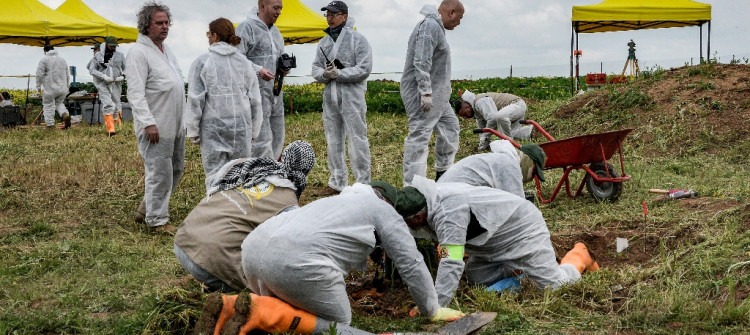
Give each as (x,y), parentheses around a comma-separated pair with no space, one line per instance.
(156,93)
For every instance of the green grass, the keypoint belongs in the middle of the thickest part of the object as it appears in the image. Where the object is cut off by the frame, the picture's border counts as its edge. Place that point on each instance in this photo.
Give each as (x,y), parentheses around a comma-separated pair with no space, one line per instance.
(72,261)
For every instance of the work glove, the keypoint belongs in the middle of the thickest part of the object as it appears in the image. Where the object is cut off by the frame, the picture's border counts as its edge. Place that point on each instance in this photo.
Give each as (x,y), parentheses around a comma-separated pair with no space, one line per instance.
(195,140)
(331,72)
(107,79)
(446,314)
(426,103)
(119,79)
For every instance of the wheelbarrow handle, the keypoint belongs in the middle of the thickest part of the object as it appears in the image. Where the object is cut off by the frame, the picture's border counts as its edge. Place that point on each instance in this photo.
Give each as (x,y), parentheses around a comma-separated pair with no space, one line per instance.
(498,134)
(538,128)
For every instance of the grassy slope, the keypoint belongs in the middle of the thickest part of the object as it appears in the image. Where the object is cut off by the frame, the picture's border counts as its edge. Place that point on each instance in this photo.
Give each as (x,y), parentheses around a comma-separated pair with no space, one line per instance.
(72,261)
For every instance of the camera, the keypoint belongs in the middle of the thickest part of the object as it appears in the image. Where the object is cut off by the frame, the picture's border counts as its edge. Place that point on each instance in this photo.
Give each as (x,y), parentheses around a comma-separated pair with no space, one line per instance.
(286,62)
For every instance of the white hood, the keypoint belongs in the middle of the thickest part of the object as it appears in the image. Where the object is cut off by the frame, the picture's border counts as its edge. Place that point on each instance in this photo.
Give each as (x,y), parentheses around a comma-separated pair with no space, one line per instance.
(469,97)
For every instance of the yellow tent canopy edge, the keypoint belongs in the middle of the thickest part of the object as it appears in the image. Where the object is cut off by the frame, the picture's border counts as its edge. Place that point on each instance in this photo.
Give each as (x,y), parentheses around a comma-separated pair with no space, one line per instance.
(622,15)
(29,22)
(298,23)
(78,9)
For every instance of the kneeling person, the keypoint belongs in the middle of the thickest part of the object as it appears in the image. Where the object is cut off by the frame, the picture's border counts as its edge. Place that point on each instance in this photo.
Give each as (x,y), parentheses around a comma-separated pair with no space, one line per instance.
(247,193)
(505,168)
(501,233)
(296,263)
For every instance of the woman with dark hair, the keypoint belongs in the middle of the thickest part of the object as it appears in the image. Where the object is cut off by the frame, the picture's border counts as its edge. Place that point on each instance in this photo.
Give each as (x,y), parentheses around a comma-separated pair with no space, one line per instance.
(223,112)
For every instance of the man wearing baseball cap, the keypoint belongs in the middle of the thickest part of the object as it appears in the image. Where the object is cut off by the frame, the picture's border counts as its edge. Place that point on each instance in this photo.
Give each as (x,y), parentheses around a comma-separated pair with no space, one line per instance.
(343,62)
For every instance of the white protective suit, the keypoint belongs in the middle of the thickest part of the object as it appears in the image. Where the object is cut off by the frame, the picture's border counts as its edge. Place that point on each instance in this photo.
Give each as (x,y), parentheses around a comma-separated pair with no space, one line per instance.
(110,94)
(344,105)
(263,46)
(500,169)
(500,232)
(223,105)
(302,256)
(156,93)
(428,71)
(52,76)
(499,111)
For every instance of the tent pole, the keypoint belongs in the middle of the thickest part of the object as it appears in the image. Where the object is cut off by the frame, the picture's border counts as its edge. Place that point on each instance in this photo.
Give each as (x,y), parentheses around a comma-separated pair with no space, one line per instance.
(572,40)
(578,63)
(708,53)
(701,42)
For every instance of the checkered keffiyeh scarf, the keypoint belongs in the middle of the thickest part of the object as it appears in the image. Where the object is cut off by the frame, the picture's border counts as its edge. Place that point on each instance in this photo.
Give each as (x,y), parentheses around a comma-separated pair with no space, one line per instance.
(297,159)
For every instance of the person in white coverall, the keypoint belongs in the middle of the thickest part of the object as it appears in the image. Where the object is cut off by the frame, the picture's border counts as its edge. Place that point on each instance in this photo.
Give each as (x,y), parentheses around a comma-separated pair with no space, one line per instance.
(107,68)
(300,258)
(502,234)
(499,111)
(223,111)
(262,44)
(156,93)
(505,168)
(426,89)
(52,80)
(344,107)
(500,169)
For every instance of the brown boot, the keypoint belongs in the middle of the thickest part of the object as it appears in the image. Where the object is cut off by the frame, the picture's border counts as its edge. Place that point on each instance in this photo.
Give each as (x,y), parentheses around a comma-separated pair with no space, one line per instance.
(580,257)
(66,120)
(119,118)
(166,229)
(140,212)
(268,314)
(109,121)
(328,191)
(217,310)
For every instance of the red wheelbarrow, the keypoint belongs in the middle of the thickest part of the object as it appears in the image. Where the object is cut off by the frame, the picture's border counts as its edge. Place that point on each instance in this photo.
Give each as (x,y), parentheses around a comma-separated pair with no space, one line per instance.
(590,153)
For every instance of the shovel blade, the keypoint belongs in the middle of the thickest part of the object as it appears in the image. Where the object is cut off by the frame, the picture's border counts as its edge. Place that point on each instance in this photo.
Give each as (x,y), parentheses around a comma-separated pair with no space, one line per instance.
(467,324)
(463,326)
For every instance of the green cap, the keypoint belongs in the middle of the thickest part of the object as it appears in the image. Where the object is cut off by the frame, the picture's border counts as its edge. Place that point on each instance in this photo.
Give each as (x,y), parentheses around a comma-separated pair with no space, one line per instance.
(407,201)
(537,155)
(111,41)
(96,46)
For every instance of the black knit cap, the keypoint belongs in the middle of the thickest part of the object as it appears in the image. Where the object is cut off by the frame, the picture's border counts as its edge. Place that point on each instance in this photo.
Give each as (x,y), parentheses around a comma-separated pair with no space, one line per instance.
(337,7)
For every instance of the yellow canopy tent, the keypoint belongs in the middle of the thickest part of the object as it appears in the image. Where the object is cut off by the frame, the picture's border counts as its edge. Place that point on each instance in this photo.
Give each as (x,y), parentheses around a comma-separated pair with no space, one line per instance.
(29,22)
(79,10)
(623,15)
(299,24)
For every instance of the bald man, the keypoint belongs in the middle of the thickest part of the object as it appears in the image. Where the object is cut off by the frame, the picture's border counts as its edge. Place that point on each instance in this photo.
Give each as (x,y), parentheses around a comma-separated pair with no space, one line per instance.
(262,44)
(426,89)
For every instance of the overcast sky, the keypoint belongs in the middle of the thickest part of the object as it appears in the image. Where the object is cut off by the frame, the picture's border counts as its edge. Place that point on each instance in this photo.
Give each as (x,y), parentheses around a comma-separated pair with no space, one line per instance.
(532,36)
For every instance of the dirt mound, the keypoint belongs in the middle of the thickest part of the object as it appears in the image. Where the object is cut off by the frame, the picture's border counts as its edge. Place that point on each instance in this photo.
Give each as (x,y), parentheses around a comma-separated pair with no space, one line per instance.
(706,103)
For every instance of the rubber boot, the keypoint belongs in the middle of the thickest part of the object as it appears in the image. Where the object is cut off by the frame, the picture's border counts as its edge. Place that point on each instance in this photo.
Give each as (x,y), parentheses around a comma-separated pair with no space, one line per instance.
(119,118)
(217,310)
(109,121)
(580,258)
(269,314)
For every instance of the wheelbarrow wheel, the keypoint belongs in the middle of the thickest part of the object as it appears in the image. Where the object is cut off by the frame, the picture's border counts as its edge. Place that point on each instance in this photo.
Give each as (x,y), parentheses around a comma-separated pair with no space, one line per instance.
(603,191)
